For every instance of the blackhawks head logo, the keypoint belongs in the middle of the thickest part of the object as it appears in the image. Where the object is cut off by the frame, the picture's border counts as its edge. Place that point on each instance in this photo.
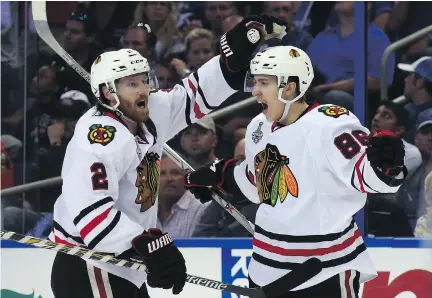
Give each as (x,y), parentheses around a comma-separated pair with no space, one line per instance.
(147,181)
(273,176)
(293,53)
(99,134)
(333,111)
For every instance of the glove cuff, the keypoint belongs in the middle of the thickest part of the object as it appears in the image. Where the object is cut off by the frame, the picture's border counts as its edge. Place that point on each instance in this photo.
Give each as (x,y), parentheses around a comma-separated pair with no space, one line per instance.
(229,185)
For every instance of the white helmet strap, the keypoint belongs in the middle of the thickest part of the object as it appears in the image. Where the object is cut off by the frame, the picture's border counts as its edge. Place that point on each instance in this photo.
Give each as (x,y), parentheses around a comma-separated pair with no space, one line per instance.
(112,89)
(282,85)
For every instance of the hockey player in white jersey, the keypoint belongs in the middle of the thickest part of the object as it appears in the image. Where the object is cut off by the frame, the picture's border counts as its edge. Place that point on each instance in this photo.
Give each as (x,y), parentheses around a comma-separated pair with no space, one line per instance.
(111,167)
(310,168)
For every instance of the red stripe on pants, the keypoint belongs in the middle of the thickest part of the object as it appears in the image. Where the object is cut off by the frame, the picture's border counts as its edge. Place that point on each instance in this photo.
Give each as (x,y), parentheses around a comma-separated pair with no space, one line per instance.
(347,283)
(100,283)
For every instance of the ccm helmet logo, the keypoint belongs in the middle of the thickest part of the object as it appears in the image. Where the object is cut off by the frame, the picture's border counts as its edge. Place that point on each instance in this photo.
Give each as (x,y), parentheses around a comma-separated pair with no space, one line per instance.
(137,61)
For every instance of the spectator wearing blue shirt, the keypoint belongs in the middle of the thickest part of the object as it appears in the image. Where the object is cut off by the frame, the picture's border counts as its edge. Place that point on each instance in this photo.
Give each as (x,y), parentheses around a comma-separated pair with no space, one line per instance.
(334,50)
(286,10)
(418,90)
(379,13)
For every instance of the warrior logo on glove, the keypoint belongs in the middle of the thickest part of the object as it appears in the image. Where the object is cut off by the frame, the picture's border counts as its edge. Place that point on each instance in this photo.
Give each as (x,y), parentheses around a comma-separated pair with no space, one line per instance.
(148,181)
(273,176)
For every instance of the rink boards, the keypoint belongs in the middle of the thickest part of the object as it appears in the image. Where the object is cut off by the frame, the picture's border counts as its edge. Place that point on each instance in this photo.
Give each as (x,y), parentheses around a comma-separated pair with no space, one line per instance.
(404,265)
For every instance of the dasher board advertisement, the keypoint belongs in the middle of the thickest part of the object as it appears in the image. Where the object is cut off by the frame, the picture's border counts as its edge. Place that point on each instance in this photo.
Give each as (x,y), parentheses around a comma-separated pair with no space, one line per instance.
(404,266)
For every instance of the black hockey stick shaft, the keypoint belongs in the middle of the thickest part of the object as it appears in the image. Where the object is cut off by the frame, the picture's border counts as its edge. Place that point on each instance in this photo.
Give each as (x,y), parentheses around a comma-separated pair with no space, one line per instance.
(44,32)
(304,272)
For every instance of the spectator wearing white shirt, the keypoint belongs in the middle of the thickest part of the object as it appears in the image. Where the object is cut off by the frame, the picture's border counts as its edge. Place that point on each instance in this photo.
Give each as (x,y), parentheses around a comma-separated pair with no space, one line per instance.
(178,211)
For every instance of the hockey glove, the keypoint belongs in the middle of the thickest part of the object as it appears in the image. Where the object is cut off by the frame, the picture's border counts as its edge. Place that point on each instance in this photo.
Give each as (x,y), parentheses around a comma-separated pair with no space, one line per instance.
(208,178)
(386,152)
(239,44)
(165,263)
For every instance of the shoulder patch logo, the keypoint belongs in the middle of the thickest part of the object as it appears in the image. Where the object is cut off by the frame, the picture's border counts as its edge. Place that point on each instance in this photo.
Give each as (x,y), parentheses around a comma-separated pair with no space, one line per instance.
(99,134)
(274,178)
(333,111)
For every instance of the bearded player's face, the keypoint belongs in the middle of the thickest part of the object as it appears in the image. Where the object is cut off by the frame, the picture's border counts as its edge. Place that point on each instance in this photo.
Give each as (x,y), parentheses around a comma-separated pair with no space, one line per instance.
(133,92)
(266,91)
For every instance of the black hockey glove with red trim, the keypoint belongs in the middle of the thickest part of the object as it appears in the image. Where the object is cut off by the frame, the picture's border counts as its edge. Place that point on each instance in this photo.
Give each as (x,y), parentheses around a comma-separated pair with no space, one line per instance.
(386,152)
(218,177)
(165,263)
(239,44)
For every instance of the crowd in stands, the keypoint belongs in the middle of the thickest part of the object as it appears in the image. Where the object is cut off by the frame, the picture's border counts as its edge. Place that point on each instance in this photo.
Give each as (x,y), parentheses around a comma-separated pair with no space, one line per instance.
(42,98)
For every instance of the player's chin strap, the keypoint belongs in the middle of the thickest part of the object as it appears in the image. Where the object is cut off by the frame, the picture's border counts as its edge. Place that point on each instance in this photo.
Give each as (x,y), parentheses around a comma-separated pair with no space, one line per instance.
(287,103)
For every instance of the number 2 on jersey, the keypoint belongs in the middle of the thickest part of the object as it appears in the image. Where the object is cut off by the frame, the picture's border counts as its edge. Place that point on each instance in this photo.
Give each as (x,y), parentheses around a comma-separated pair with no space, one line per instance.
(99,178)
(348,144)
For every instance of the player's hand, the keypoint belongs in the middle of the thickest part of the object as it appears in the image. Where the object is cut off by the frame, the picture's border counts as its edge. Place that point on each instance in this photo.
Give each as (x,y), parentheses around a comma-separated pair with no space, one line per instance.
(207,178)
(165,263)
(239,44)
(386,152)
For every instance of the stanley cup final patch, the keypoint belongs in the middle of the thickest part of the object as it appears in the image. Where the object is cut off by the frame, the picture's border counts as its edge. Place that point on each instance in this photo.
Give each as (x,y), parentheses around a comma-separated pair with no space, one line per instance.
(257,135)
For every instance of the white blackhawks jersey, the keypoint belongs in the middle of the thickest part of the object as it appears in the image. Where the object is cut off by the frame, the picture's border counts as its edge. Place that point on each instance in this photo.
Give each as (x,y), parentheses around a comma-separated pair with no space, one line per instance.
(111,177)
(310,178)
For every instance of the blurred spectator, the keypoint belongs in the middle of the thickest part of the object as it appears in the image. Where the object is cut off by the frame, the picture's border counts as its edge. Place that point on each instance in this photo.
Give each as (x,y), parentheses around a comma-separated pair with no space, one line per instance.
(418,90)
(141,39)
(286,11)
(112,18)
(178,210)
(217,222)
(7,167)
(424,224)
(162,18)
(189,21)
(53,131)
(166,78)
(239,150)
(44,85)
(406,18)
(385,217)
(379,14)
(79,35)
(199,50)
(412,191)
(215,12)
(393,117)
(332,53)
(198,141)
(230,22)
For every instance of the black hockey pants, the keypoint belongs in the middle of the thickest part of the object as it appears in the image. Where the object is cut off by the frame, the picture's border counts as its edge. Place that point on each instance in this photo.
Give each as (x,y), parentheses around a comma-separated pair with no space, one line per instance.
(342,285)
(72,277)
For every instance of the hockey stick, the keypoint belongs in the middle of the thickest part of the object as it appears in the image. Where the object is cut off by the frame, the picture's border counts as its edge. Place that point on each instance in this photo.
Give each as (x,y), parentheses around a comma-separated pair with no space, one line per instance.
(291,280)
(44,32)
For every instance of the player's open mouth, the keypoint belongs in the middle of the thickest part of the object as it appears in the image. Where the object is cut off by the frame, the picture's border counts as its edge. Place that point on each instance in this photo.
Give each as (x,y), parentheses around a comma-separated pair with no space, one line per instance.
(141,104)
(264,105)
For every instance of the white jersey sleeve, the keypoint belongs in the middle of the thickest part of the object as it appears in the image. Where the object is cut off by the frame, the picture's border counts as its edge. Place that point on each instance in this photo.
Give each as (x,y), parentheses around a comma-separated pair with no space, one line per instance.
(344,144)
(91,189)
(197,95)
